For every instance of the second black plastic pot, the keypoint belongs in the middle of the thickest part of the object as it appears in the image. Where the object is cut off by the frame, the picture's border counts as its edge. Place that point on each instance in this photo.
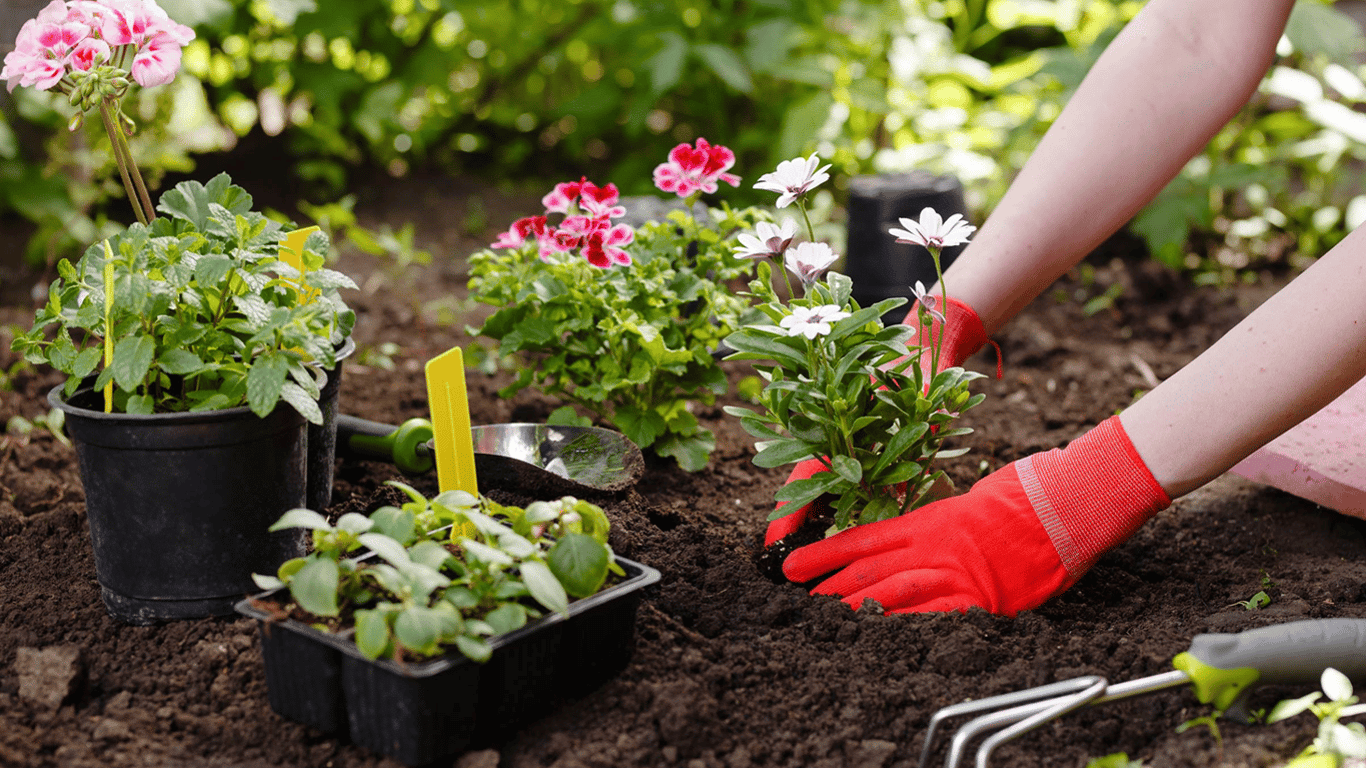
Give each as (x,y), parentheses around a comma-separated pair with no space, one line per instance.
(878,265)
(322,438)
(420,712)
(179,503)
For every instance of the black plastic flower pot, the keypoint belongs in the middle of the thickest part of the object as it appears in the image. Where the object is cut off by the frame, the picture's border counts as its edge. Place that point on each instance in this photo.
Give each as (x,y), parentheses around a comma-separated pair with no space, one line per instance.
(878,265)
(179,503)
(418,713)
(322,438)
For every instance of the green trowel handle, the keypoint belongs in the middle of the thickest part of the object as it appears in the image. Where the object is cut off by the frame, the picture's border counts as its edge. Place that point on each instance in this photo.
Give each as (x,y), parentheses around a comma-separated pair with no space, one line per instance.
(1222,666)
(405,445)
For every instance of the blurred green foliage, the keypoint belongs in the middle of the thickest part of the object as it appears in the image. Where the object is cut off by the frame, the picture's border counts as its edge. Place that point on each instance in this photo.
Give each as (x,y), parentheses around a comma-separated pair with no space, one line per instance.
(553,89)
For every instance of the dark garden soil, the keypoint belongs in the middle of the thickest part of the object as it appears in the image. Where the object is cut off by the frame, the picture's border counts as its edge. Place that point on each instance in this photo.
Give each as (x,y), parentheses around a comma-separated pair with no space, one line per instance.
(730,669)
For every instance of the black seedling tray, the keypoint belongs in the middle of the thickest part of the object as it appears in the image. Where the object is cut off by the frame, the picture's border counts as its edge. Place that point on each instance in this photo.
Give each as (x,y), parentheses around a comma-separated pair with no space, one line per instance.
(419,712)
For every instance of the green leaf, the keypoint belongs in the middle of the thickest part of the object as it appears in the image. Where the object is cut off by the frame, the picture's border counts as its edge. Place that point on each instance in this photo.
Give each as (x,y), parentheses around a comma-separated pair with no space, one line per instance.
(394,522)
(474,648)
(385,547)
(580,563)
(725,64)
(300,401)
(506,618)
(265,381)
(314,587)
(132,360)
(848,468)
(180,362)
(641,427)
(301,518)
(420,628)
(544,587)
(372,633)
(666,66)
(210,269)
(776,453)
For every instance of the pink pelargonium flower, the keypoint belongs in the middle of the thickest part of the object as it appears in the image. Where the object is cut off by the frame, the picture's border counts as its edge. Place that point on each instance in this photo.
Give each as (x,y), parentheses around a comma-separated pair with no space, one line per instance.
(43,48)
(769,241)
(693,168)
(524,229)
(808,260)
(602,248)
(794,178)
(587,196)
(933,231)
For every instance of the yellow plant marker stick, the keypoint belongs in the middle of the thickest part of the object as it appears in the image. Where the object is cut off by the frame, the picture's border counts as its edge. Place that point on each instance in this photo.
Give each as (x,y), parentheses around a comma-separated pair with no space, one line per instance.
(292,253)
(108,331)
(449,403)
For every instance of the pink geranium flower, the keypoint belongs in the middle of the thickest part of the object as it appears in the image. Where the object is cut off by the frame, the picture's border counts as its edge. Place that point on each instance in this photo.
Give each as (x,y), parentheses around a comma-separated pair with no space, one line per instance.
(602,248)
(586,226)
(694,168)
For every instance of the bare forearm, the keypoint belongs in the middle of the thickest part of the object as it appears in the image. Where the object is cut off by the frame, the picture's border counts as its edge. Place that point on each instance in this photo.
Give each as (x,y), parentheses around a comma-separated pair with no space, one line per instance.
(1172,78)
(1293,355)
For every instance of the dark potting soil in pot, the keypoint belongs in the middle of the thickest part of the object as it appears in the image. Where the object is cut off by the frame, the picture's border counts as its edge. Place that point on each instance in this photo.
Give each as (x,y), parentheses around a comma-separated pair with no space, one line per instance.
(730,669)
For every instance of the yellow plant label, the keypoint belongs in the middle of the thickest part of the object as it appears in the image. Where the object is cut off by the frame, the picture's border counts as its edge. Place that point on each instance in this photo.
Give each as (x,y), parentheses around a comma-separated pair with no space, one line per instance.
(449,403)
(292,253)
(108,322)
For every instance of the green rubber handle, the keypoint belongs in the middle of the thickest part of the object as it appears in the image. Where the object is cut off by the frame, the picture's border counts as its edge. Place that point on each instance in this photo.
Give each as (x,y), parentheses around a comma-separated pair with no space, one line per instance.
(404,445)
(1223,666)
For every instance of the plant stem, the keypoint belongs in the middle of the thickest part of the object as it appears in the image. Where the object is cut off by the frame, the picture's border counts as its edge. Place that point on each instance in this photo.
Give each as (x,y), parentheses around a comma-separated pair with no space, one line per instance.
(132,179)
(944,306)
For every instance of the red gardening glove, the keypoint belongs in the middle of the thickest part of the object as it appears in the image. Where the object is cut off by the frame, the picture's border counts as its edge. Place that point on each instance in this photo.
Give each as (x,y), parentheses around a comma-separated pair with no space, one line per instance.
(964,335)
(1020,536)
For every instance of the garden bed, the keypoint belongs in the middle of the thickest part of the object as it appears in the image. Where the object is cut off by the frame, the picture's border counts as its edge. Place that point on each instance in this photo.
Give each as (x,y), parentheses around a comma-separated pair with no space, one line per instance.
(730,669)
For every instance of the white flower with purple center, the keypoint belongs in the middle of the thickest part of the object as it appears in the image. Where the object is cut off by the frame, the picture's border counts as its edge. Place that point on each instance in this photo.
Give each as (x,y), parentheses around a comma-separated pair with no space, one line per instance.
(769,241)
(793,178)
(933,231)
(927,301)
(812,321)
(808,260)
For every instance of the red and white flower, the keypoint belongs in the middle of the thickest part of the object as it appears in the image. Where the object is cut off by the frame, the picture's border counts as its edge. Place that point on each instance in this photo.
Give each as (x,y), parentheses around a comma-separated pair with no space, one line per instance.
(696,168)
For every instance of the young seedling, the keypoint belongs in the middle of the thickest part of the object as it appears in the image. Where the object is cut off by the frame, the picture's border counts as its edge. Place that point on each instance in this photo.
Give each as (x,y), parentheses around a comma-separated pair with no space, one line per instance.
(1336,741)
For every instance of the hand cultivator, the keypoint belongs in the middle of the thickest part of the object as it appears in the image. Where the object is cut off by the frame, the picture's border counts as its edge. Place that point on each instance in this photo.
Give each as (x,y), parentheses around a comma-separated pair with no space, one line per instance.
(1220,667)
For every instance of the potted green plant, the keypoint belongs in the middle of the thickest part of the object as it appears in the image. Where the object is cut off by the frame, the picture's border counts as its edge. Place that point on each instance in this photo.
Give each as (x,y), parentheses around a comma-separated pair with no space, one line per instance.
(180,340)
(421,627)
(179,337)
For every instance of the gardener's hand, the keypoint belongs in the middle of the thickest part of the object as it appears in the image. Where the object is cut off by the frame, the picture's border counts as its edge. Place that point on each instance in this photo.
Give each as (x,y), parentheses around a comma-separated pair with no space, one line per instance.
(962,333)
(1021,535)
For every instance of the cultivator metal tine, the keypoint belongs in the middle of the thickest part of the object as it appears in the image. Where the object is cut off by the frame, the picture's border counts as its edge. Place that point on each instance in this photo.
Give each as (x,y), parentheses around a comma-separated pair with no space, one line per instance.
(1019,712)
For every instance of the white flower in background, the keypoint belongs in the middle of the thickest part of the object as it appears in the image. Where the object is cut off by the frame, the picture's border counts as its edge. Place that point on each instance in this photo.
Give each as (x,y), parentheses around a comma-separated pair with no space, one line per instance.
(808,260)
(769,241)
(933,231)
(927,300)
(812,321)
(794,178)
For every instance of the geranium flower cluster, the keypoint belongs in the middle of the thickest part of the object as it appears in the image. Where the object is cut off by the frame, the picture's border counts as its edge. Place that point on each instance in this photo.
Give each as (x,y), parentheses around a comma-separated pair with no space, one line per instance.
(134,35)
(696,168)
(586,227)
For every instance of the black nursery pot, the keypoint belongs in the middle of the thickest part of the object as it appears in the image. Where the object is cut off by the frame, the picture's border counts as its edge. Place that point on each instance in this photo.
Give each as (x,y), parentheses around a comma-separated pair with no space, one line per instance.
(878,265)
(322,438)
(179,503)
(419,713)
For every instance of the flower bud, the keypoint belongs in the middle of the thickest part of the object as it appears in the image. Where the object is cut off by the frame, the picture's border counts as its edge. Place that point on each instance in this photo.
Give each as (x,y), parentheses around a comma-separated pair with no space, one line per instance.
(76,121)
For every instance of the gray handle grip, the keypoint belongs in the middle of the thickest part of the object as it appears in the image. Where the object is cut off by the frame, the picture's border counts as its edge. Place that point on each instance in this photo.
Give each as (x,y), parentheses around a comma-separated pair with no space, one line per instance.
(1292,653)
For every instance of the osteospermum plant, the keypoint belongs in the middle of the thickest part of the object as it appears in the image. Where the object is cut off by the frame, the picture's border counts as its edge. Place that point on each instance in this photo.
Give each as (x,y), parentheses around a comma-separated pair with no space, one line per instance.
(620,323)
(868,401)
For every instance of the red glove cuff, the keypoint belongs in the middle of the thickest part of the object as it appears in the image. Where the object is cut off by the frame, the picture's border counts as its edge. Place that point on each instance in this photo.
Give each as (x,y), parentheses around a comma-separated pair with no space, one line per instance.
(1091,495)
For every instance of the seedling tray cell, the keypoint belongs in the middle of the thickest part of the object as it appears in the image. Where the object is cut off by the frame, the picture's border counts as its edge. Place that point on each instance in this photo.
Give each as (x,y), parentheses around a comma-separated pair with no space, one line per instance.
(420,712)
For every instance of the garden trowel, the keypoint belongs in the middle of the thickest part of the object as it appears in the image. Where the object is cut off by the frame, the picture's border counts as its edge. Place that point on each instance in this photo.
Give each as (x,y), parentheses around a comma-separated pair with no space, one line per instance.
(522,457)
